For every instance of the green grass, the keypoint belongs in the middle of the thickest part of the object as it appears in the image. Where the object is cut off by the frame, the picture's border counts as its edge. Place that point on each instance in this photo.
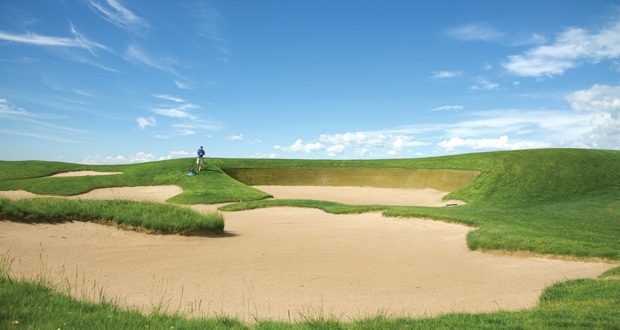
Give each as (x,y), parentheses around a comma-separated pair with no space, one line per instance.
(577,304)
(149,217)
(329,207)
(558,201)
(210,186)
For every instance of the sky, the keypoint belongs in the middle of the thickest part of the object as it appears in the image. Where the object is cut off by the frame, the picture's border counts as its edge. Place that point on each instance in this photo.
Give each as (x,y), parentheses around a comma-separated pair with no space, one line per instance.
(124,81)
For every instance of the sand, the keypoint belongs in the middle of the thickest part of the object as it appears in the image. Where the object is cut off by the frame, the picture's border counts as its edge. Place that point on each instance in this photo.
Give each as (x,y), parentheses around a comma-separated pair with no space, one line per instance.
(362,195)
(142,193)
(81,173)
(284,263)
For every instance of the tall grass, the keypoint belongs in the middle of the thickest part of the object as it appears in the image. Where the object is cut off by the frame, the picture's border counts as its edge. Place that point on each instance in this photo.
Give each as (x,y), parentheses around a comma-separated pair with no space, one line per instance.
(150,217)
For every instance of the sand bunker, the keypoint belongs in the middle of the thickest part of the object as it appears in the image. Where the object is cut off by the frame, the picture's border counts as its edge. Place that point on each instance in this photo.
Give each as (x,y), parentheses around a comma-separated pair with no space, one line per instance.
(81,173)
(141,193)
(285,263)
(281,263)
(362,195)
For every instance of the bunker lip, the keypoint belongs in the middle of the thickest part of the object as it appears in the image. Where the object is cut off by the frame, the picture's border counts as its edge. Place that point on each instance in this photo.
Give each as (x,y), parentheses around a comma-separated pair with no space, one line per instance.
(362,195)
(286,263)
(81,173)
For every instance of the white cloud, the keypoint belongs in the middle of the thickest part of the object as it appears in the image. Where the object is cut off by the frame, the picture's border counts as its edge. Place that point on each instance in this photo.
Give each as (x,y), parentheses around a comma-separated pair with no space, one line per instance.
(448,108)
(182,85)
(392,152)
(169,98)
(446,74)
(78,40)
(602,103)
(475,32)
(138,157)
(117,14)
(335,149)
(570,49)
(146,122)
(237,137)
(300,146)
(501,143)
(603,98)
(485,85)
(179,153)
(263,155)
(7,109)
(400,141)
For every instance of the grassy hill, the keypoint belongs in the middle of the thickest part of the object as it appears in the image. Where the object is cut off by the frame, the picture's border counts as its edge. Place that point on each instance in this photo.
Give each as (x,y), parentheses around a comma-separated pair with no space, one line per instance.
(551,201)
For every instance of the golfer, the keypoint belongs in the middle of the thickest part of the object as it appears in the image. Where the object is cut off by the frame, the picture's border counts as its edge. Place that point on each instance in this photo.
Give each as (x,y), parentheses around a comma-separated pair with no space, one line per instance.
(199,162)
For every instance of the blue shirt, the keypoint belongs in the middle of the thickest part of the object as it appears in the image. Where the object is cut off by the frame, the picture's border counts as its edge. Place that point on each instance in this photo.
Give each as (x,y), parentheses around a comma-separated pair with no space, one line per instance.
(200,152)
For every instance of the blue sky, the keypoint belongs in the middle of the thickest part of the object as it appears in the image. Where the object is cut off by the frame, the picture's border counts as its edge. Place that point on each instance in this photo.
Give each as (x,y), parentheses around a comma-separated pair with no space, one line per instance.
(120,81)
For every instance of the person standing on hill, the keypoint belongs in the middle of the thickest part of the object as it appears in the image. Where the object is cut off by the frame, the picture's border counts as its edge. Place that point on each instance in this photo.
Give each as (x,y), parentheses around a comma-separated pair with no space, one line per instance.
(201,154)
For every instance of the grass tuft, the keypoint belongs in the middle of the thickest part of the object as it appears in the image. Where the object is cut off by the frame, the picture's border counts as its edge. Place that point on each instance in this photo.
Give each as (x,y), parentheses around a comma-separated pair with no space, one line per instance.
(150,217)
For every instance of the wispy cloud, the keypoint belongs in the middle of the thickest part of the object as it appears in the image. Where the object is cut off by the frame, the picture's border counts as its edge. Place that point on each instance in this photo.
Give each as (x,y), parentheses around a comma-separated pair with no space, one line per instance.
(209,24)
(178,112)
(237,137)
(169,98)
(35,123)
(475,32)
(484,85)
(40,136)
(209,21)
(570,49)
(182,85)
(78,40)
(146,122)
(448,108)
(446,74)
(136,55)
(115,13)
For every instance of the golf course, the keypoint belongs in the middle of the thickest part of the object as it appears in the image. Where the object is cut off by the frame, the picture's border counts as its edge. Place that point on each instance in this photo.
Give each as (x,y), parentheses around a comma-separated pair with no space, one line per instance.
(511,239)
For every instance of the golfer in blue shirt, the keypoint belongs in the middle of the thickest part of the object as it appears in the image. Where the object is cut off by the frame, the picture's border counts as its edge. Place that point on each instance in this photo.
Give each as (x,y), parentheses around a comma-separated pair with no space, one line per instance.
(199,162)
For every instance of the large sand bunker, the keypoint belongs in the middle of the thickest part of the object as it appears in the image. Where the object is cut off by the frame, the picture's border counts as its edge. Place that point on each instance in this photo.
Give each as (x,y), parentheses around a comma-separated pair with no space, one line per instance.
(362,195)
(282,263)
(285,263)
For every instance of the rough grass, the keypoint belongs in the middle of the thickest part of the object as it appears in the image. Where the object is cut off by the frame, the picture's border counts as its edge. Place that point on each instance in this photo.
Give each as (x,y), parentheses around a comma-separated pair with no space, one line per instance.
(577,304)
(149,217)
